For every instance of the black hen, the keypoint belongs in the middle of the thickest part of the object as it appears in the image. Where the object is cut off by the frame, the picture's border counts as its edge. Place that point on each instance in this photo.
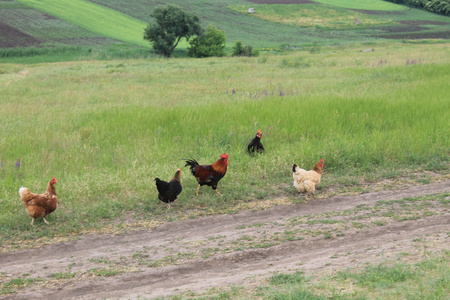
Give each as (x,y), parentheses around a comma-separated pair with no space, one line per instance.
(255,144)
(169,191)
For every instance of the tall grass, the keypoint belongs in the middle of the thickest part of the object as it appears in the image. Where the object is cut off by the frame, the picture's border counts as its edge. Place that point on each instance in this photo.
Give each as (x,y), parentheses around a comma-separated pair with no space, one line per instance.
(105,130)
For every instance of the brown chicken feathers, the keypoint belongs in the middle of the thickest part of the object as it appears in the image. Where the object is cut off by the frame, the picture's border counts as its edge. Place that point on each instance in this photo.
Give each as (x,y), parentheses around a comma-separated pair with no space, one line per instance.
(169,191)
(40,205)
(306,181)
(209,175)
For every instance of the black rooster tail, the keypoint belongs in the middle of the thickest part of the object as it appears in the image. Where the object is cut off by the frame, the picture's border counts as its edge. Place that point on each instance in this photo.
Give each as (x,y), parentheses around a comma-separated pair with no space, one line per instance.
(192,163)
(293,168)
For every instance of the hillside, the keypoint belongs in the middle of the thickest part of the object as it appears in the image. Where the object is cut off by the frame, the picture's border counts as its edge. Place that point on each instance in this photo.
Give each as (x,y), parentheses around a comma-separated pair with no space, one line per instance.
(27,23)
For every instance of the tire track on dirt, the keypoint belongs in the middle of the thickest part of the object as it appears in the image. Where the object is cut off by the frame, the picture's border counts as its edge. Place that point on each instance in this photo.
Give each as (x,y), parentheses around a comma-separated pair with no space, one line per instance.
(221,269)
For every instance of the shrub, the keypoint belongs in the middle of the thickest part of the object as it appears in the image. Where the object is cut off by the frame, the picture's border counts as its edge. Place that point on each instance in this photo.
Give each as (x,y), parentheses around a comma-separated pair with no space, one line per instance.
(240,50)
(211,43)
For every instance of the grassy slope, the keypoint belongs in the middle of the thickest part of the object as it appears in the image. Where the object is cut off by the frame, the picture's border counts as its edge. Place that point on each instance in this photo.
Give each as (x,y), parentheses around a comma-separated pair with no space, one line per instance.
(237,26)
(106,129)
(241,26)
(95,18)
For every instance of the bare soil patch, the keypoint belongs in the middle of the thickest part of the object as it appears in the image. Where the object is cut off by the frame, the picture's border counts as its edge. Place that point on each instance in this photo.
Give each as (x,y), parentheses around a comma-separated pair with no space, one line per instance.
(194,255)
(11,37)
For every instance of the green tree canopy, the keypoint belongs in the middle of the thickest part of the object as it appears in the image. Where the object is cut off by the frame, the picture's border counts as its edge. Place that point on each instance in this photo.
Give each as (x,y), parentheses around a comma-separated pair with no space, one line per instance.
(172,24)
(212,43)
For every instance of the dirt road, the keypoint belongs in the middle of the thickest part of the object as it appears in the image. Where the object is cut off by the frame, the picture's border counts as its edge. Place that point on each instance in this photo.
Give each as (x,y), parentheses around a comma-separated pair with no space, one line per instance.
(241,249)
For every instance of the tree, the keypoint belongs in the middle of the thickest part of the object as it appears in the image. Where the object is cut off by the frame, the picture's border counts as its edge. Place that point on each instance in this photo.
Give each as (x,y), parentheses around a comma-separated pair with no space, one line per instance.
(172,24)
(212,43)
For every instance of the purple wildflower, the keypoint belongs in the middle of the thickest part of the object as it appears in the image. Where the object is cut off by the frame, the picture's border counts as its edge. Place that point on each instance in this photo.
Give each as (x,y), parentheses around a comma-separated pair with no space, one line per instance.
(233,91)
(281,93)
(18,163)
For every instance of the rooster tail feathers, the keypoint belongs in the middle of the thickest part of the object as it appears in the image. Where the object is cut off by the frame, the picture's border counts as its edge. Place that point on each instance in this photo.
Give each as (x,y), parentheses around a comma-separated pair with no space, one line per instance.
(192,163)
(294,167)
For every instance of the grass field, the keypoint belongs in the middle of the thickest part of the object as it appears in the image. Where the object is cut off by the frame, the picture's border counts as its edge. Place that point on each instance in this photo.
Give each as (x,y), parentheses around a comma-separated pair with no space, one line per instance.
(365,4)
(107,129)
(312,15)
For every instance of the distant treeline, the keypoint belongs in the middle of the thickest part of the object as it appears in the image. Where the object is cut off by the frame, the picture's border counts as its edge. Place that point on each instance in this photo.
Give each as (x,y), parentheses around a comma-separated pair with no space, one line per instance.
(441,7)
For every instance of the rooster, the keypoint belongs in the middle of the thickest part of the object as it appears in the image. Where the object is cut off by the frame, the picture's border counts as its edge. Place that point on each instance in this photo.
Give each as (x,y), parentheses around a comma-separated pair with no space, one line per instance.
(306,181)
(255,144)
(40,205)
(169,191)
(209,174)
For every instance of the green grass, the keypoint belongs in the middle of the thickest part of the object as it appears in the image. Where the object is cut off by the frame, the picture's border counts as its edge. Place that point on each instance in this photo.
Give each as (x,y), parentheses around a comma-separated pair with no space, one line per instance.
(365,4)
(105,130)
(96,18)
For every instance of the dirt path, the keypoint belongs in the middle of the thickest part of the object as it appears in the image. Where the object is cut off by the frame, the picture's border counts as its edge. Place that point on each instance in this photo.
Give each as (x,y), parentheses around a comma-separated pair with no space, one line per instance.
(241,249)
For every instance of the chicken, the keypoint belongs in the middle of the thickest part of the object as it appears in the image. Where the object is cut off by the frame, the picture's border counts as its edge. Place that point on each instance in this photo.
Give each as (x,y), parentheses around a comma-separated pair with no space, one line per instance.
(209,174)
(255,144)
(306,181)
(169,191)
(40,205)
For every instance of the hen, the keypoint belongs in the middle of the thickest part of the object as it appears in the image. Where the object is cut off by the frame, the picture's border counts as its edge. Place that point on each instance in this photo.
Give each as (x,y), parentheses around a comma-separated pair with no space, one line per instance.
(306,181)
(40,205)
(169,191)
(255,144)
(209,174)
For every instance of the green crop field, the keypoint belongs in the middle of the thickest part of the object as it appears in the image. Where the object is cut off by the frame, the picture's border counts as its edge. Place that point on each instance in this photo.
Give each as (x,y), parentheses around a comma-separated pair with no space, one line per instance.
(95,18)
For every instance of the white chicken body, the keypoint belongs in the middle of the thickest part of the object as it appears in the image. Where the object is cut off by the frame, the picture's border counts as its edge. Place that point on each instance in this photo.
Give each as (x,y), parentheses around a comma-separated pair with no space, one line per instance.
(306,181)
